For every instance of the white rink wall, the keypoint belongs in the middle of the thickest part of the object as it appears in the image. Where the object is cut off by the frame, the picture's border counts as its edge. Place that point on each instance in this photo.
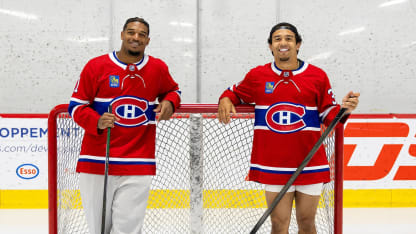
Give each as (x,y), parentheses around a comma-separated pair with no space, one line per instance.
(367,46)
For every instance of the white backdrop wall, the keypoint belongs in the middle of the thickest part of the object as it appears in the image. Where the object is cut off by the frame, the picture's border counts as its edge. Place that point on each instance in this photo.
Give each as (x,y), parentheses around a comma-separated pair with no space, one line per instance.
(367,46)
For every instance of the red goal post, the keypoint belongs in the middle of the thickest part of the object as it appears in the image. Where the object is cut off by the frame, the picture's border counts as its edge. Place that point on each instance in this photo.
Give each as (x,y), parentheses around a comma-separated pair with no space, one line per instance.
(199,184)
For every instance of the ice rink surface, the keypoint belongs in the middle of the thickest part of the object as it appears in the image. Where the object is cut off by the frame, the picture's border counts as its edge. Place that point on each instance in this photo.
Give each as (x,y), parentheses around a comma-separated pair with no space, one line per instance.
(356,221)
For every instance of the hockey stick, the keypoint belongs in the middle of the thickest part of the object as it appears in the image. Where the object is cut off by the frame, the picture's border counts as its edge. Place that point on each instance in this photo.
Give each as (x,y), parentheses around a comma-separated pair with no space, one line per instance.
(299,170)
(107,159)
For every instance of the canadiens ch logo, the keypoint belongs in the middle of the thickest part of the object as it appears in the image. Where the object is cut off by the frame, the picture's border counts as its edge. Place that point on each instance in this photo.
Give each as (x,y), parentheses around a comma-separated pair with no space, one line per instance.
(131,111)
(285,117)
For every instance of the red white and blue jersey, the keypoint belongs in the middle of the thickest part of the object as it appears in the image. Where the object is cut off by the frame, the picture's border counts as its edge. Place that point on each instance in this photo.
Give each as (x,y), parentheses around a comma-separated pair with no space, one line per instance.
(289,109)
(132,91)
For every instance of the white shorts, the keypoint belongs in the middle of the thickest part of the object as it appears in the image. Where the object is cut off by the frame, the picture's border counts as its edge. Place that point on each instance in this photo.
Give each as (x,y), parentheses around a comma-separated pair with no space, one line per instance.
(310,189)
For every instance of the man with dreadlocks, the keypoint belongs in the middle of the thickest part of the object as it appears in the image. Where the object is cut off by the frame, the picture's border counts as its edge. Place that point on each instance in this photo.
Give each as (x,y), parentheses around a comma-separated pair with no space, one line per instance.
(130,82)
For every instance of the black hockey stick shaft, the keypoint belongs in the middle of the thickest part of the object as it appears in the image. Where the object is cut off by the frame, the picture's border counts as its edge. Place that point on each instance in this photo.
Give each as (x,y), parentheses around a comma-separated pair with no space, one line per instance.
(292,179)
(107,159)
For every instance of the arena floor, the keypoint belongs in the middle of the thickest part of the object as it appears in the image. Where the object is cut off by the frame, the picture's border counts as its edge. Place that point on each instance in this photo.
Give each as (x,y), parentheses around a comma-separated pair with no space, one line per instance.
(356,221)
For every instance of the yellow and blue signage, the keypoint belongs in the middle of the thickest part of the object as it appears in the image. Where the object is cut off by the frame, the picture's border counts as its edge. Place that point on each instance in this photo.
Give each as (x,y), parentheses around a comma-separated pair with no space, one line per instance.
(269,87)
(114,81)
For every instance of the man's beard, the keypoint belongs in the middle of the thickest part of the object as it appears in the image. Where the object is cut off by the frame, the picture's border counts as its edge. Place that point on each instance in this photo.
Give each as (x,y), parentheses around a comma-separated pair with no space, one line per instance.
(284,59)
(134,53)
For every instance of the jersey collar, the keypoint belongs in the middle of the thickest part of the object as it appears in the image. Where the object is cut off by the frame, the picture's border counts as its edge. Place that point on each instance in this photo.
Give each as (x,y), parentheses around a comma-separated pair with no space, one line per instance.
(119,63)
(302,68)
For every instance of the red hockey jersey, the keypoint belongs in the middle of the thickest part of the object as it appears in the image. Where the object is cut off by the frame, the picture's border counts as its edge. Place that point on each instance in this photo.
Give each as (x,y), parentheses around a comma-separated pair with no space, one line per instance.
(132,90)
(289,108)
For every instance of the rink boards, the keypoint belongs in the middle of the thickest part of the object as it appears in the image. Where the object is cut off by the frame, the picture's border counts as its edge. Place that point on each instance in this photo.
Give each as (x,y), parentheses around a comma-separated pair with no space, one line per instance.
(379,163)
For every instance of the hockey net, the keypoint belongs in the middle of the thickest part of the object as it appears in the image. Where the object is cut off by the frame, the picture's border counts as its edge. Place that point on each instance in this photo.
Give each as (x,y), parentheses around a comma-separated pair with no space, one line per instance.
(200,184)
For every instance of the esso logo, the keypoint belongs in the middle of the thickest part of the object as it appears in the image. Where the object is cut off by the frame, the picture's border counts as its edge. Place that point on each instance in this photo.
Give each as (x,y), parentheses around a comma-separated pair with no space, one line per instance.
(27,171)
(130,110)
(285,117)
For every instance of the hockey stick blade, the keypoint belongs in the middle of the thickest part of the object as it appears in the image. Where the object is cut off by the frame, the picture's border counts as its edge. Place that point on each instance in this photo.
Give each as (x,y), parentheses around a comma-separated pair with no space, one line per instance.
(107,159)
(292,179)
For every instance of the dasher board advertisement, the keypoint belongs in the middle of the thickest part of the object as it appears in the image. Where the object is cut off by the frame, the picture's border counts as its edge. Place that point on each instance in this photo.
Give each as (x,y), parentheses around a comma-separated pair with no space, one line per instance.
(379,160)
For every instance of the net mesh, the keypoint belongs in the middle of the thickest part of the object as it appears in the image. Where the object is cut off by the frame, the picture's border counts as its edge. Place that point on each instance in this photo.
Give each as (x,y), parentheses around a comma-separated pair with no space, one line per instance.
(230,204)
(71,218)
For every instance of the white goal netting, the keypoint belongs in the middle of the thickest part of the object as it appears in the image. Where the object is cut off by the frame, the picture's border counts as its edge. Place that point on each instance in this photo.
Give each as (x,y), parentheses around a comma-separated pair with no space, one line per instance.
(200,184)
